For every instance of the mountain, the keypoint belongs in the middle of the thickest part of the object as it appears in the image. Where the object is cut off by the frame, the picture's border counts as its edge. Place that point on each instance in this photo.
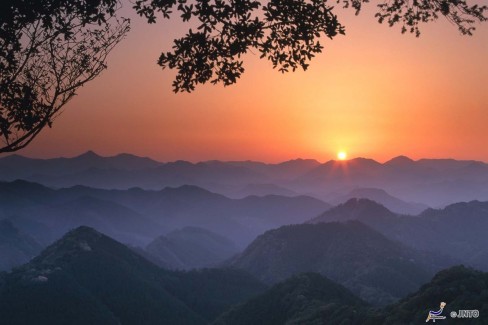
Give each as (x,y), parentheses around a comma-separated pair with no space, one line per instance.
(78,280)
(364,210)
(286,170)
(118,221)
(375,268)
(400,162)
(459,287)
(123,171)
(22,194)
(312,299)
(15,166)
(216,176)
(278,210)
(190,248)
(300,299)
(88,278)
(456,231)
(16,248)
(381,196)
(431,182)
(239,219)
(137,216)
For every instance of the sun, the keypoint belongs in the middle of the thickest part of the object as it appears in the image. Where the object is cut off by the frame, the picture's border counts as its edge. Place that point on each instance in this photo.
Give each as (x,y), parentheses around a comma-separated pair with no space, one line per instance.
(341,155)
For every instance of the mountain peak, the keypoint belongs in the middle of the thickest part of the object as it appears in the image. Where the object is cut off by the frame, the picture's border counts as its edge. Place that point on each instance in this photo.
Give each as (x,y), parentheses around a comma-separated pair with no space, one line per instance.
(82,233)
(90,154)
(76,241)
(399,161)
(382,197)
(81,230)
(354,209)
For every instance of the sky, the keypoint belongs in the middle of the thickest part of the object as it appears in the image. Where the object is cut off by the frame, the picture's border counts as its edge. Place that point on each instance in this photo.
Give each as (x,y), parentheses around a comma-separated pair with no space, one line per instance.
(372,93)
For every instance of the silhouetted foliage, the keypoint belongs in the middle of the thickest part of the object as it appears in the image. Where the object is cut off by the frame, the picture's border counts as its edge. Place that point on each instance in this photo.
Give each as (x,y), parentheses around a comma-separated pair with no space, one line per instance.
(286,32)
(48,49)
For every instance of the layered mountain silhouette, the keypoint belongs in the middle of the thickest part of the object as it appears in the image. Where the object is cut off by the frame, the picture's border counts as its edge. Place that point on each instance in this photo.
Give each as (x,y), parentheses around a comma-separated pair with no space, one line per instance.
(137,216)
(456,231)
(356,209)
(410,184)
(433,182)
(118,221)
(301,299)
(88,278)
(381,196)
(375,268)
(19,167)
(65,224)
(313,299)
(191,248)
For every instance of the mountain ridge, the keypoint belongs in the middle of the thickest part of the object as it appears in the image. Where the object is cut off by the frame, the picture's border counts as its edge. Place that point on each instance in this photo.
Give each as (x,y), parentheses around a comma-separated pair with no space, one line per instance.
(433,182)
(366,265)
(89,278)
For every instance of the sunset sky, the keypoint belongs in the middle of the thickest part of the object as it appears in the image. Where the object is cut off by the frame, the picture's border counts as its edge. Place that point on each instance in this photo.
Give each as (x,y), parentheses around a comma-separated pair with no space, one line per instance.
(372,93)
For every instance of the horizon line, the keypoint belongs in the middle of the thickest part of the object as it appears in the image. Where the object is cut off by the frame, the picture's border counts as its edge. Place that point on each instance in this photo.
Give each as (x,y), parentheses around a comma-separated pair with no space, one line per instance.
(92,152)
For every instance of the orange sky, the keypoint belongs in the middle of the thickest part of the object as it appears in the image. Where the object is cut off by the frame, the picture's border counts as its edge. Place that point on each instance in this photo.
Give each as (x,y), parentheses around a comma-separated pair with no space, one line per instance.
(373,93)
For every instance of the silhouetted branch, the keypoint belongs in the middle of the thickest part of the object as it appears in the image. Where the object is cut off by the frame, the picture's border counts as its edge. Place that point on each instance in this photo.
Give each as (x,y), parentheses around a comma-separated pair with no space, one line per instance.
(44,66)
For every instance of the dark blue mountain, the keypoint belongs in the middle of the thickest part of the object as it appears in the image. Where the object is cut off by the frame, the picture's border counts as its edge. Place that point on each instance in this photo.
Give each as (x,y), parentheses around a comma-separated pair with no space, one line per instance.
(88,278)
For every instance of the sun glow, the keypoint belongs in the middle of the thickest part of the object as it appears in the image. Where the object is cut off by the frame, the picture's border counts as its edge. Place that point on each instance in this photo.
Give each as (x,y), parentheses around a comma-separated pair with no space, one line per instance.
(341,155)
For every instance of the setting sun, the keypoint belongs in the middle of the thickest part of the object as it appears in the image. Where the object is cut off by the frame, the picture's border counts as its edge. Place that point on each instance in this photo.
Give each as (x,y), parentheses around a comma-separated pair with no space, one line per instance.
(342,155)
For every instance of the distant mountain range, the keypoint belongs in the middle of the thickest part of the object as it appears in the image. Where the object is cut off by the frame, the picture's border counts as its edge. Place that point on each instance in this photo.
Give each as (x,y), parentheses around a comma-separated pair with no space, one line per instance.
(457,231)
(138,216)
(434,182)
(409,185)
